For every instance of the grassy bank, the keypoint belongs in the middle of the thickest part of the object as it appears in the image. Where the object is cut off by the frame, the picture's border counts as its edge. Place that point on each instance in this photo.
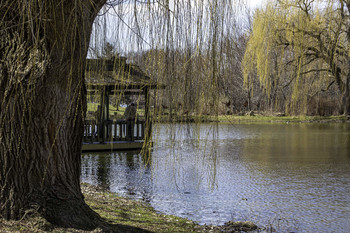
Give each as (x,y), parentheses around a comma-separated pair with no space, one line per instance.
(133,214)
(234,119)
(262,118)
(123,215)
(276,119)
(120,215)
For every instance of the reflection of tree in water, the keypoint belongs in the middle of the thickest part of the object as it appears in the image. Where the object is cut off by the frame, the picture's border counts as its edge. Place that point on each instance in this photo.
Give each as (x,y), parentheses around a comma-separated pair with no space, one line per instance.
(103,170)
(191,152)
(130,160)
(137,175)
(125,172)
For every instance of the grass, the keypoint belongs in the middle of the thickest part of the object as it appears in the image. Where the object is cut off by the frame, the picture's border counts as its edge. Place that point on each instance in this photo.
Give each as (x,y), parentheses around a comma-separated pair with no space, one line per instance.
(234,119)
(277,119)
(120,213)
(118,210)
(123,215)
(119,114)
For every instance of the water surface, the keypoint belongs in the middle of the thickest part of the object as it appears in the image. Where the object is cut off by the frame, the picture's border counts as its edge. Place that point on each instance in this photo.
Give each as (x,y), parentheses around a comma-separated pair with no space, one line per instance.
(293,176)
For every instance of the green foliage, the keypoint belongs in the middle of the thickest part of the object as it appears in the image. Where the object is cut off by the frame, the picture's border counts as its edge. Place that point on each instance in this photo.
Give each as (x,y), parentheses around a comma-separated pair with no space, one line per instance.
(303,46)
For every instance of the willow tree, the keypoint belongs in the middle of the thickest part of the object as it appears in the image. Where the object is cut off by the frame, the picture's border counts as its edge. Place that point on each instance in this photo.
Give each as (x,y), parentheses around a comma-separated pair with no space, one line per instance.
(187,51)
(43,46)
(312,45)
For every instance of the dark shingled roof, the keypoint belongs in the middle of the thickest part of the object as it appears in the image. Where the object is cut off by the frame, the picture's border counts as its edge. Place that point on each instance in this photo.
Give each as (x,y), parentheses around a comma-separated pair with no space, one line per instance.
(116,72)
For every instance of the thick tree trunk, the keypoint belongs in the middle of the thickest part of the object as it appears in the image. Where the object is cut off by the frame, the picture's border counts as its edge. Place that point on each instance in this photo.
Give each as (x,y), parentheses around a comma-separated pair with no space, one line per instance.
(346,97)
(43,45)
(345,89)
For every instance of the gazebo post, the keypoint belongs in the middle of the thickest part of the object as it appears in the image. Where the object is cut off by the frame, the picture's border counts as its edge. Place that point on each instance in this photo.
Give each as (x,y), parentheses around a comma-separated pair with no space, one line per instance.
(106,103)
(148,124)
(104,113)
(146,92)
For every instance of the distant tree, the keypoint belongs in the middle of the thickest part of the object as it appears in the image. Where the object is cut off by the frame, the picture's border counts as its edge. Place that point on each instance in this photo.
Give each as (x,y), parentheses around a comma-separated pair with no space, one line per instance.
(311,41)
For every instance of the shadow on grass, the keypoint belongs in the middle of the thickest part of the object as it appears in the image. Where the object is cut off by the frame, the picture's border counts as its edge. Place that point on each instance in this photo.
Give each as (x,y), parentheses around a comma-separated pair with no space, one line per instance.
(36,223)
(125,215)
(107,227)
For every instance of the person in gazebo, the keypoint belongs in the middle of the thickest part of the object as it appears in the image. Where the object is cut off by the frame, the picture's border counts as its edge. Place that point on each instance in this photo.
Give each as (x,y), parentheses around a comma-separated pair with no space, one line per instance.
(130,115)
(98,114)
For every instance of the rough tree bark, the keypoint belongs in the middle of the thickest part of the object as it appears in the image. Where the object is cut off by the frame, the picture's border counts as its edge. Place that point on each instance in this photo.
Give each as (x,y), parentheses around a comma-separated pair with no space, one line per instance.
(43,46)
(346,96)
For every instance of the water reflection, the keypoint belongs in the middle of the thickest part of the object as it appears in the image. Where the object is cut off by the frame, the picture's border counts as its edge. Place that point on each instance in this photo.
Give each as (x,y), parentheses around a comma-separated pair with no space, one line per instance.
(300,143)
(296,175)
(123,172)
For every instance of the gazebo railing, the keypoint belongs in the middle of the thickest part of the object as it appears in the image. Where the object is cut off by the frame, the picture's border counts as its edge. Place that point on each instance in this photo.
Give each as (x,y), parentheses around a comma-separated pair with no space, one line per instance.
(110,131)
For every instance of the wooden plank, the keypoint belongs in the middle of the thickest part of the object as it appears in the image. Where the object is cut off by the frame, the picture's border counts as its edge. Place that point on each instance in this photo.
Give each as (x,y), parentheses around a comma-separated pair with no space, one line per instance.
(120,131)
(98,132)
(93,132)
(143,131)
(105,132)
(120,145)
(115,132)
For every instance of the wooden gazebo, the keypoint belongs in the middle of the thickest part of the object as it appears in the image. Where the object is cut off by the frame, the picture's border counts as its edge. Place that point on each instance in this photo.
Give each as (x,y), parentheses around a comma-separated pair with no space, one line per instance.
(105,77)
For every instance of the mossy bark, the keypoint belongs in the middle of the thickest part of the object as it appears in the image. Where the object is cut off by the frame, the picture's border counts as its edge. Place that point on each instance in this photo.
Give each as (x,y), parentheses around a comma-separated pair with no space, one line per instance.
(43,46)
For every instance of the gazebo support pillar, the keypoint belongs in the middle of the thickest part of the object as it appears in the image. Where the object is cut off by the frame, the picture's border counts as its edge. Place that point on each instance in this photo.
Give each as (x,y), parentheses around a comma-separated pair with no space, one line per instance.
(148,122)
(104,113)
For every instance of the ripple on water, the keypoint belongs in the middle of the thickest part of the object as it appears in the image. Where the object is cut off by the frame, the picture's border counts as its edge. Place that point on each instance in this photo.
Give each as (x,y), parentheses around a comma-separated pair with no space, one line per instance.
(285,175)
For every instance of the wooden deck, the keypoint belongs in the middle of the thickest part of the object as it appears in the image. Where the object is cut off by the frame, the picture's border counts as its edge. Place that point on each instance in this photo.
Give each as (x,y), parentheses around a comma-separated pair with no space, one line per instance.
(111,146)
(113,135)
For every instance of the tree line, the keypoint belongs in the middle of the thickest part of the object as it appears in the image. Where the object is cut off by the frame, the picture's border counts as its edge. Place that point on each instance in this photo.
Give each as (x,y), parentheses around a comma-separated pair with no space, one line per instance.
(289,57)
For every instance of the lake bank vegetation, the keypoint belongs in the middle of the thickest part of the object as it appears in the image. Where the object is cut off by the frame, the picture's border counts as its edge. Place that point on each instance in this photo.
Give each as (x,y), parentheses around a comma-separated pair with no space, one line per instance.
(121,215)
(288,57)
(250,116)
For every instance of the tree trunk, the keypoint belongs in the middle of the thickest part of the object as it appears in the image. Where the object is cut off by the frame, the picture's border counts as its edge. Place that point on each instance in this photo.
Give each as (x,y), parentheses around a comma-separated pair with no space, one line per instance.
(43,46)
(345,89)
(346,96)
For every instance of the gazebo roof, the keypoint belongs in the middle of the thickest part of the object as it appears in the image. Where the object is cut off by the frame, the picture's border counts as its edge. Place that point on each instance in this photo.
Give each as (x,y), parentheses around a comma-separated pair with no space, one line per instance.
(116,74)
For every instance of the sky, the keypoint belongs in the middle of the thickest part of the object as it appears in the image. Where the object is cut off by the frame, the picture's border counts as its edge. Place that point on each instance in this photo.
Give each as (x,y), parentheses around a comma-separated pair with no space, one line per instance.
(122,35)
(254,3)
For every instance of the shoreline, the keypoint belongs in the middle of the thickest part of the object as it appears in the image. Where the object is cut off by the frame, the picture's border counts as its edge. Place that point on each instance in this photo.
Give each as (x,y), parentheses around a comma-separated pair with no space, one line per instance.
(236,119)
(284,119)
(124,215)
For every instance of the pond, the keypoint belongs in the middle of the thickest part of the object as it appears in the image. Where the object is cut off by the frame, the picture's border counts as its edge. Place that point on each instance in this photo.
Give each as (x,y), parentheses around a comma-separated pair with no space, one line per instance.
(295,177)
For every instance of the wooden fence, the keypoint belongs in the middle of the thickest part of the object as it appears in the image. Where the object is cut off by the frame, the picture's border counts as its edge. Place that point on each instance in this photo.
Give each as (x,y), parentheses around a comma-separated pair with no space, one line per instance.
(110,131)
